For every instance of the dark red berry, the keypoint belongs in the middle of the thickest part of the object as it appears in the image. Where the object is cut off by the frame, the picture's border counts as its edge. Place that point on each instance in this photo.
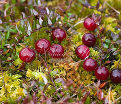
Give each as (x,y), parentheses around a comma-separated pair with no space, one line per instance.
(58,34)
(90,24)
(82,51)
(90,64)
(27,55)
(89,39)
(42,46)
(102,73)
(115,76)
(56,51)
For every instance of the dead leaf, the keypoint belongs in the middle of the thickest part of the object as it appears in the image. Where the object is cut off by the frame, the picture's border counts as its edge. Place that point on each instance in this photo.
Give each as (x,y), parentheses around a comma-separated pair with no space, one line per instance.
(102,85)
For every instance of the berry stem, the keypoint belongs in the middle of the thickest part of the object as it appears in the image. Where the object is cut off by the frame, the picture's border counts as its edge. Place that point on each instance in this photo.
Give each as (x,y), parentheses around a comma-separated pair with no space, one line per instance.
(45,64)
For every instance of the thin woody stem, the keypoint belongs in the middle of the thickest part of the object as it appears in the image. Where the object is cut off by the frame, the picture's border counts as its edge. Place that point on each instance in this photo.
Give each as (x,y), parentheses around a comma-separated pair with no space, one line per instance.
(45,64)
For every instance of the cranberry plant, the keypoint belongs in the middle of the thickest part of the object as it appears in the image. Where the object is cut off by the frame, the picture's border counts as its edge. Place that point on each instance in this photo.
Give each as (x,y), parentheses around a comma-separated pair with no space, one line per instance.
(60,51)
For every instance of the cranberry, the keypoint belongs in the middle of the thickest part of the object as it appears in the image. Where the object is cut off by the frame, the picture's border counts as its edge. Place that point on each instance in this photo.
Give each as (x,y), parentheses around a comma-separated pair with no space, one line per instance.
(101,73)
(115,76)
(42,46)
(82,51)
(58,34)
(90,64)
(56,51)
(27,55)
(90,24)
(89,39)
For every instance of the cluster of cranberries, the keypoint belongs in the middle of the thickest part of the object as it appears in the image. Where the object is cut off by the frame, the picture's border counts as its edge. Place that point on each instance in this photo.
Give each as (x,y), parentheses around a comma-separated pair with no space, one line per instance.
(82,51)
(43,46)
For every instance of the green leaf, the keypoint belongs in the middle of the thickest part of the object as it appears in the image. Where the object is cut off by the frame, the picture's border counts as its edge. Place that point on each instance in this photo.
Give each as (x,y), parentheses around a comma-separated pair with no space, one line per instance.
(69,14)
(7,35)
(113,49)
(88,101)
(108,41)
(45,21)
(53,20)
(65,19)
(105,46)
(13,30)
(13,1)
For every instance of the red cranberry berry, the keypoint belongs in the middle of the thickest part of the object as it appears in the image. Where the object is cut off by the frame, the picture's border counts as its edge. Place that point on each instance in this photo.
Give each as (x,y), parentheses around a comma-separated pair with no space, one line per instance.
(27,55)
(89,39)
(90,64)
(58,34)
(56,51)
(42,46)
(90,24)
(101,73)
(82,51)
(115,76)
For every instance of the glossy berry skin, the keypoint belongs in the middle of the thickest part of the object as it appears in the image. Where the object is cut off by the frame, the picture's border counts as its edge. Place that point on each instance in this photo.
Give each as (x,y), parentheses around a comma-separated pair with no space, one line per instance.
(58,34)
(27,55)
(89,39)
(90,64)
(82,51)
(56,51)
(90,24)
(102,73)
(115,76)
(42,46)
